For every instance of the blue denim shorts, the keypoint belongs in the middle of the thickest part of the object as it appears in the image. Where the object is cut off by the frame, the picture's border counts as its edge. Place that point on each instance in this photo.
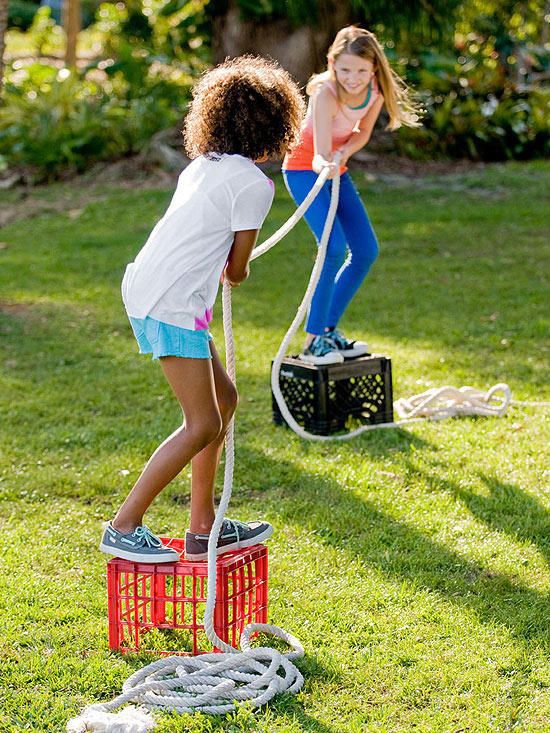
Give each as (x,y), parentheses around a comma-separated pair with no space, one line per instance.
(163,339)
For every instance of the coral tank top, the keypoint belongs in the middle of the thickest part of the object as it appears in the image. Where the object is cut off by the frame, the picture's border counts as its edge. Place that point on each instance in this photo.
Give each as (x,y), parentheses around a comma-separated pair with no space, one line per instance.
(344,123)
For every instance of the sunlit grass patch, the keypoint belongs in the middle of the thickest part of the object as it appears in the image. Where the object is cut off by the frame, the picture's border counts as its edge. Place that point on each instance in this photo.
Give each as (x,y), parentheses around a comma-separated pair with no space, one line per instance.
(411,563)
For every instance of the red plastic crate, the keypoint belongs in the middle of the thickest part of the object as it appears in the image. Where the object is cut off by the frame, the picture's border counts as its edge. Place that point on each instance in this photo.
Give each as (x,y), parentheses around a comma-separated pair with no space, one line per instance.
(160,608)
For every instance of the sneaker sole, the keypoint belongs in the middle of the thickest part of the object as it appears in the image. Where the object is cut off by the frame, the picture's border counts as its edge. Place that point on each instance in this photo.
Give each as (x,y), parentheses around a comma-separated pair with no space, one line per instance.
(241,545)
(321,360)
(136,557)
(354,353)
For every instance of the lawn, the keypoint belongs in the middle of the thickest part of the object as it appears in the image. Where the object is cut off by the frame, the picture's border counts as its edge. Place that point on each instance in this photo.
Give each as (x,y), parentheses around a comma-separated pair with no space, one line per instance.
(411,563)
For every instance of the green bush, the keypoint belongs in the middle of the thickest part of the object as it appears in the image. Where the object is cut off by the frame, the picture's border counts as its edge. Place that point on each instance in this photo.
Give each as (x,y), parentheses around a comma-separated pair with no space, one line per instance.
(472,111)
(55,121)
(512,126)
(42,38)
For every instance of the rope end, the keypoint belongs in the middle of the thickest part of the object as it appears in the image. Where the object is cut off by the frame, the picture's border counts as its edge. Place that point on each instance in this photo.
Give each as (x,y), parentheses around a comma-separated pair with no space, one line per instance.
(129,720)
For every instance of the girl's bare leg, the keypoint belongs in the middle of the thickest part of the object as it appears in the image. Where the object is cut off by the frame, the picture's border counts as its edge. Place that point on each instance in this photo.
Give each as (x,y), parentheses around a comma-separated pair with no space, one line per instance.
(192,381)
(205,464)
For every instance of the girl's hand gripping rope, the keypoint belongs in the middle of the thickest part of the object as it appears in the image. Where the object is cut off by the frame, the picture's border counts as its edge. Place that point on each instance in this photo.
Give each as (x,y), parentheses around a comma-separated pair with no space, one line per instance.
(319,164)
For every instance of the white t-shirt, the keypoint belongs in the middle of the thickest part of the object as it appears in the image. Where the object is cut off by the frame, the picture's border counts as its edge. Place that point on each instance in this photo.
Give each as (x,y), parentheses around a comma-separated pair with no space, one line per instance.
(176,275)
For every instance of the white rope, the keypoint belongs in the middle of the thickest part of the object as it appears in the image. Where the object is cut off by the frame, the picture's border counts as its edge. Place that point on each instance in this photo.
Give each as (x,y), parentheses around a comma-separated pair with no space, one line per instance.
(447,402)
(436,404)
(215,683)
(290,223)
(209,683)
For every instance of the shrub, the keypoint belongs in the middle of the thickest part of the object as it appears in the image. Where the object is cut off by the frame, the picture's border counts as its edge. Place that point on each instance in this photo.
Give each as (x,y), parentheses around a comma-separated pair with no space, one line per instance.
(55,121)
(471,111)
(42,37)
(512,126)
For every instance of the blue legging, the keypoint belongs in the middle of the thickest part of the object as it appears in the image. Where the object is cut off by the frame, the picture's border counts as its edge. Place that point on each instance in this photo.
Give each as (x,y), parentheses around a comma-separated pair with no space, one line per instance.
(352,233)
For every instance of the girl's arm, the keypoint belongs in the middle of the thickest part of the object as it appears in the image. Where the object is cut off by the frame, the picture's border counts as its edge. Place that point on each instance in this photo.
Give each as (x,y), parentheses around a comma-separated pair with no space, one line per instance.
(237,269)
(360,138)
(324,109)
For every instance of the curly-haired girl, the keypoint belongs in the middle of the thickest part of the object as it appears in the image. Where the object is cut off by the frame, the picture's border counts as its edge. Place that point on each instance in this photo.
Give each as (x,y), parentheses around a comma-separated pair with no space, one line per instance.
(242,112)
(346,101)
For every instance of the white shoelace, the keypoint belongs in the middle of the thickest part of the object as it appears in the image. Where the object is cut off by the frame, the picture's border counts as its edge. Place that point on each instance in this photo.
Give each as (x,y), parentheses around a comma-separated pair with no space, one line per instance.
(144,533)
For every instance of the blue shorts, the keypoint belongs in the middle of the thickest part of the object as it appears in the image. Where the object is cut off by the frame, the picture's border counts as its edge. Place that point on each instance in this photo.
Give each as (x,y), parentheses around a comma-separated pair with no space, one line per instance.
(163,339)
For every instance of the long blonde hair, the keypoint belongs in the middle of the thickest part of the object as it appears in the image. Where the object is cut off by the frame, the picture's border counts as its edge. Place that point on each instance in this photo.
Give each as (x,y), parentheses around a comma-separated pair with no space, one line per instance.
(402,110)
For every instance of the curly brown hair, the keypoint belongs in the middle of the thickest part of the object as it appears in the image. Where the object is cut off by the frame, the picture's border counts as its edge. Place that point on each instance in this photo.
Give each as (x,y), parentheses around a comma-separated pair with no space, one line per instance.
(248,106)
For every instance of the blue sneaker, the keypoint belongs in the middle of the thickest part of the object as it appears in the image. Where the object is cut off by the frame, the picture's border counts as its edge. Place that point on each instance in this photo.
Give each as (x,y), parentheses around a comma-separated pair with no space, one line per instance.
(348,349)
(321,351)
(141,545)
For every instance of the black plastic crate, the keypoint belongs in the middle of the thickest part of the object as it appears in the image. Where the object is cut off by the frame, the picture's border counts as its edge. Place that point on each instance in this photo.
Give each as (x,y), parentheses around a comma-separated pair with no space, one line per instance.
(329,399)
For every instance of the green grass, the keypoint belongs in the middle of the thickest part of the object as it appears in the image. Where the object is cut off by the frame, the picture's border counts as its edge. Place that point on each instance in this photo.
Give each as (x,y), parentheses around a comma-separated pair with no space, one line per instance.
(412,563)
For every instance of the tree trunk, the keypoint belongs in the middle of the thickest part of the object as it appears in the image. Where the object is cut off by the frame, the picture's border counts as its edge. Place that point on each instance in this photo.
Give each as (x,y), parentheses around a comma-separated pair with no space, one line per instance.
(71,24)
(544,26)
(3,28)
(302,51)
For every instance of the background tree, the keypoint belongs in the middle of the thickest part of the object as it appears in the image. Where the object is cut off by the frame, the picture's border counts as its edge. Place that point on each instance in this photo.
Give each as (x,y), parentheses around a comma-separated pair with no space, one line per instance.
(3,27)
(297,32)
(71,24)
(477,66)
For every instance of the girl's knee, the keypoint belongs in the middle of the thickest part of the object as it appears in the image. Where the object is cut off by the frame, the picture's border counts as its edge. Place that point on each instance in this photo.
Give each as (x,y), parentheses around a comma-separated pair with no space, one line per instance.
(371,254)
(335,257)
(365,256)
(227,403)
(205,430)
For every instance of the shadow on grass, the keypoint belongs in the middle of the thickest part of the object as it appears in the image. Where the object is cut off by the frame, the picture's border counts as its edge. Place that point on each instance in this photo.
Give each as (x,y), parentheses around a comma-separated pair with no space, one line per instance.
(531,521)
(507,509)
(288,705)
(378,444)
(401,551)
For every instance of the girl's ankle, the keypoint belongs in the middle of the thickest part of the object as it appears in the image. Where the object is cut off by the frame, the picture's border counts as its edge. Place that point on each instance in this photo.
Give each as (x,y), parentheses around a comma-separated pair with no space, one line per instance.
(200,527)
(123,528)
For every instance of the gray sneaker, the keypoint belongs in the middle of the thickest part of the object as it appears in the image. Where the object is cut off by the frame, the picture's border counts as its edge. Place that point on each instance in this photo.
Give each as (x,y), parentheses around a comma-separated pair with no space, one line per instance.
(141,545)
(233,536)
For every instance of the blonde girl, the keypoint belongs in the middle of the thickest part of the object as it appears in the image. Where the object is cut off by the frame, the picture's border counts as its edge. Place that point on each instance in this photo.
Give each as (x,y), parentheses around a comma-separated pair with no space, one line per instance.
(345,102)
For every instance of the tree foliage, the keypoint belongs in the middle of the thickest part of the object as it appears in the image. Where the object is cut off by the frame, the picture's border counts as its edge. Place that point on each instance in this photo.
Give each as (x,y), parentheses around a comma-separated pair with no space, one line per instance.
(475,64)
(3,27)
(415,17)
(505,32)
